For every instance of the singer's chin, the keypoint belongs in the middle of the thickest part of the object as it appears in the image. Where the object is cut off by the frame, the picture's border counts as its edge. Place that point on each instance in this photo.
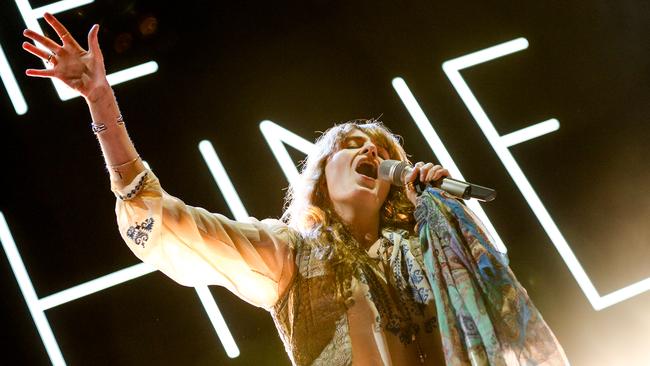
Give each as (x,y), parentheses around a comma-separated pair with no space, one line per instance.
(366,182)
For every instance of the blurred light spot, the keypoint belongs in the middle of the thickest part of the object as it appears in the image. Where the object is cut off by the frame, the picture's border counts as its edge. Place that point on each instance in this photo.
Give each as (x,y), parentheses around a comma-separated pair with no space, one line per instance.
(123,42)
(148,26)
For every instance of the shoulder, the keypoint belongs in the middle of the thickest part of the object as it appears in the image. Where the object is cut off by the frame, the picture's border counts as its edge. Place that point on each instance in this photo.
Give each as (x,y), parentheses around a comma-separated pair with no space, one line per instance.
(282,231)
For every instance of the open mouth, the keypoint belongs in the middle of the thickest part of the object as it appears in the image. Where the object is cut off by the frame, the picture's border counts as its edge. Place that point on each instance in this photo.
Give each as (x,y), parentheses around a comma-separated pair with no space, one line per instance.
(368,169)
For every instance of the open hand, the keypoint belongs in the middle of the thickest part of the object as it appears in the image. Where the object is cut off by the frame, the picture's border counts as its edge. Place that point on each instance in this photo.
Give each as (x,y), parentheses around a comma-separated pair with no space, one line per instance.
(427,173)
(81,70)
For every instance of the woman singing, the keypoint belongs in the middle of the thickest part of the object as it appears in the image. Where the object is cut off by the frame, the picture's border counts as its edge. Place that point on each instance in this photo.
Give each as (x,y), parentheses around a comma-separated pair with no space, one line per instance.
(356,272)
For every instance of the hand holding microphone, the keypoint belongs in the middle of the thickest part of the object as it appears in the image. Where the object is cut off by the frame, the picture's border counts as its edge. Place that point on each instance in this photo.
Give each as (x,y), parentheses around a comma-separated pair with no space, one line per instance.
(400,173)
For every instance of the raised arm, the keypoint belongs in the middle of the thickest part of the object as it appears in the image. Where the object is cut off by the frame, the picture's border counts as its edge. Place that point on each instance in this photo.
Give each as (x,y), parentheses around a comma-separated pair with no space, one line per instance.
(83,71)
(194,247)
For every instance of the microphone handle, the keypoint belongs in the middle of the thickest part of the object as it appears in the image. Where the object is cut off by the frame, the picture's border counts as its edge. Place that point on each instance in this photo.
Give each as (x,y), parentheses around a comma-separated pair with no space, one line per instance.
(459,189)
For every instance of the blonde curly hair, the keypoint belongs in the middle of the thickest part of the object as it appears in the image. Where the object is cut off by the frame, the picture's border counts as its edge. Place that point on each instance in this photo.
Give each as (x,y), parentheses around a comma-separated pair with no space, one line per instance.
(308,208)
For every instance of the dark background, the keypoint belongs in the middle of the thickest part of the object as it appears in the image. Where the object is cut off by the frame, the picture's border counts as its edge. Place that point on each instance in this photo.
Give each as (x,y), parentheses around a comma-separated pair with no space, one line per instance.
(223,68)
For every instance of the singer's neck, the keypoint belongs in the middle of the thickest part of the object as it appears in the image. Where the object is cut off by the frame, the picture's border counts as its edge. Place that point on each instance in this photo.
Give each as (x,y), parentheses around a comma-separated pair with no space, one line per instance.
(363,225)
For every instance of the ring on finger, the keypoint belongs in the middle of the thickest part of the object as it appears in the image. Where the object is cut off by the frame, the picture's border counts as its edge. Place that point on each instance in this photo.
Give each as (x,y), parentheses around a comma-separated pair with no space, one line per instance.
(65,34)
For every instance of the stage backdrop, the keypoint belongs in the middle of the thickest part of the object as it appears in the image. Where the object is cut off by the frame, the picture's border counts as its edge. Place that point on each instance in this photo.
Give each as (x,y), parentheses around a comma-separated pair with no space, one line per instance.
(546,102)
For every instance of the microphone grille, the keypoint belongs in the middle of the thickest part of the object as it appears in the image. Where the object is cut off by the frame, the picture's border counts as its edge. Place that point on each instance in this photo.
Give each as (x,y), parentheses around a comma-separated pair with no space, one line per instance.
(392,170)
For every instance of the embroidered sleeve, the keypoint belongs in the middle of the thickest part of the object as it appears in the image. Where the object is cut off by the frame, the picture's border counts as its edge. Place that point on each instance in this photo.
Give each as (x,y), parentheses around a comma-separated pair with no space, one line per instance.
(131,190)
(195,247)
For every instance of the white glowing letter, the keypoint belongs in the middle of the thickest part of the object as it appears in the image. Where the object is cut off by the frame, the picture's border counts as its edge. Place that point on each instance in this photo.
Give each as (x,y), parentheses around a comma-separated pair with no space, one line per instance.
(276,136)
(500,144)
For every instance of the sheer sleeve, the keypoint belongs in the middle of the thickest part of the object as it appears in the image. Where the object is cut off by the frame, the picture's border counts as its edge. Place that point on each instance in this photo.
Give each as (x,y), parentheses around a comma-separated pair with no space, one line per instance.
(194,247)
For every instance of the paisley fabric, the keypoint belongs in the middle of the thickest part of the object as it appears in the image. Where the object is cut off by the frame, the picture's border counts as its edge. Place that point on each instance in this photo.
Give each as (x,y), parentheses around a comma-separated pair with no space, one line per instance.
(485,315)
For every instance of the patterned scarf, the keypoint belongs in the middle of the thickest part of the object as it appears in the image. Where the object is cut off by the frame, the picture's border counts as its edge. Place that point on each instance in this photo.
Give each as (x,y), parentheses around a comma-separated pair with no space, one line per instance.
(485,315)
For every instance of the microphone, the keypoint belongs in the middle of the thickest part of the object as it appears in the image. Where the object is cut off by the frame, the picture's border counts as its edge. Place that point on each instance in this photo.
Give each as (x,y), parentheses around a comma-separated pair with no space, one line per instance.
(395,171)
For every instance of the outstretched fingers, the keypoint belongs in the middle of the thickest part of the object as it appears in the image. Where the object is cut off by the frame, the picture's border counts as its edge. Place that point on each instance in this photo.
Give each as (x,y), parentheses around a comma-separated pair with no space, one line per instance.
(37,51)
(43,73)
(93,40)
(63,33)
(48,43)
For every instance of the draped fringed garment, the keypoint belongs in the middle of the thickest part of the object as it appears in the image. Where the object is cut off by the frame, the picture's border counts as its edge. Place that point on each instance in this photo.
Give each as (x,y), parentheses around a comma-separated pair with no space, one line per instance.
(485,315)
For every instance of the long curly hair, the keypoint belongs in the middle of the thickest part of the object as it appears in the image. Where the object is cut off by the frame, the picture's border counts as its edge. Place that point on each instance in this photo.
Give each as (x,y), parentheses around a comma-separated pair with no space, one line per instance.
(308,208)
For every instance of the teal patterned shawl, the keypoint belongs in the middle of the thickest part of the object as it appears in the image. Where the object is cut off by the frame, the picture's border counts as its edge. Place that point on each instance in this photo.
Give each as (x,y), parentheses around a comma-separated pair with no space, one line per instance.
(485,315)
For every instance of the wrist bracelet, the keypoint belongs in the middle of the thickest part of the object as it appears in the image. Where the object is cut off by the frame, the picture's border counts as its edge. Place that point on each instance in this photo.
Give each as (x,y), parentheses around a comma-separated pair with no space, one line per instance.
(98,127)
(123,164)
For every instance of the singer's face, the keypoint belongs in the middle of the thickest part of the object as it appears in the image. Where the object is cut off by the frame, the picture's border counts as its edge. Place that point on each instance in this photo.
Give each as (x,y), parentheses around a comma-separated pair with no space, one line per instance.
(351,173)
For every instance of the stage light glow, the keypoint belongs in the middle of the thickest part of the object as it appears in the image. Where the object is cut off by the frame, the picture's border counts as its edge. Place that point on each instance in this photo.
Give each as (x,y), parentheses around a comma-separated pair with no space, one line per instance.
(622,294)
(441,152)
(11,85)
(96,285)
(530,132)
(218,322)
(452,69)
(485,55)
(133,72)
(29,294)
(276,136)
(223,181)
